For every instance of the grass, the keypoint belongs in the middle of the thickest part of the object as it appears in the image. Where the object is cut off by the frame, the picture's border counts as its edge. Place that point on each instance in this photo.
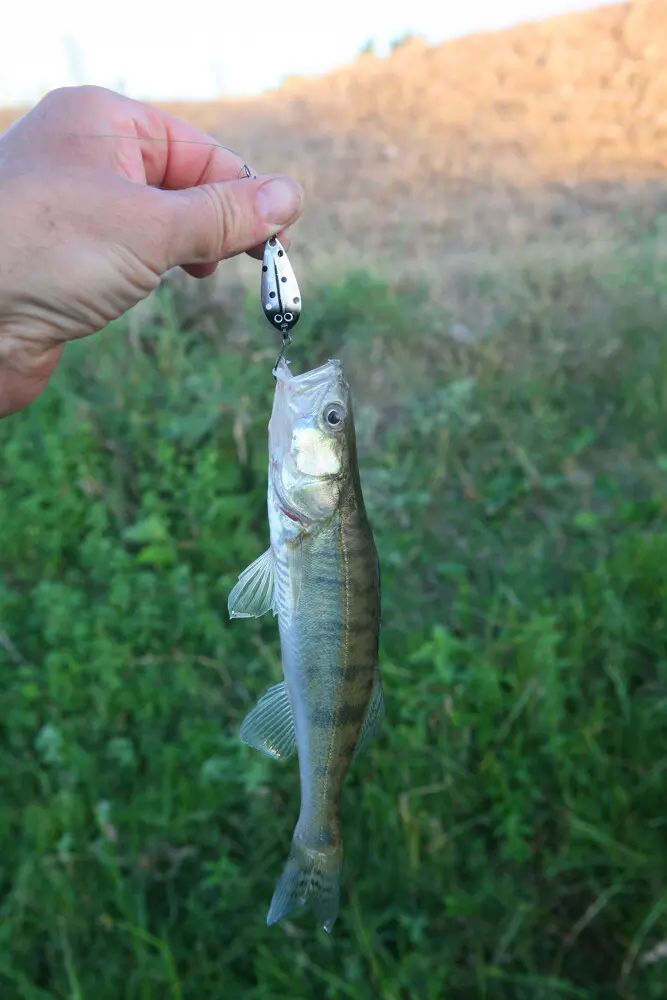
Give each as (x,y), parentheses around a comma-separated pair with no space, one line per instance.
(506,835)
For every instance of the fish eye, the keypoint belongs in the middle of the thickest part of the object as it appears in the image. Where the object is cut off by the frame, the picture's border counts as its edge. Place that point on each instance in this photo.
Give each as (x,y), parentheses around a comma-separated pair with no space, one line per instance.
(334,414)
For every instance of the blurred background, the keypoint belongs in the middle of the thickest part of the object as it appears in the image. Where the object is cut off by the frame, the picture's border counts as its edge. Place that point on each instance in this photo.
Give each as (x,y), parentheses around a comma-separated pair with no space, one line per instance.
(485,248)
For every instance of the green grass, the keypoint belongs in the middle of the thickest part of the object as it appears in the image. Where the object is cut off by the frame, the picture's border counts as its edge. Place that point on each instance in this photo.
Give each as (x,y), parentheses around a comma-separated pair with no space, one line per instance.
(506,836)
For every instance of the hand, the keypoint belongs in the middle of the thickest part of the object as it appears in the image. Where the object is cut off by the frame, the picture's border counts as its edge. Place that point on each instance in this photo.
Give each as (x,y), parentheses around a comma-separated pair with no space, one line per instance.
(89,225)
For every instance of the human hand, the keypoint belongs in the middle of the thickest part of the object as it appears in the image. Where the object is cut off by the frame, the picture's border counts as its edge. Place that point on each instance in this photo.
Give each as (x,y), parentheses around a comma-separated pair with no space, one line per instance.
(88,226)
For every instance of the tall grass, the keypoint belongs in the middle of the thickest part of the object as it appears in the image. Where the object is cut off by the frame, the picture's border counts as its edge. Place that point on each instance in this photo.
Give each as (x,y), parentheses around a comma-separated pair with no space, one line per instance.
(506,836)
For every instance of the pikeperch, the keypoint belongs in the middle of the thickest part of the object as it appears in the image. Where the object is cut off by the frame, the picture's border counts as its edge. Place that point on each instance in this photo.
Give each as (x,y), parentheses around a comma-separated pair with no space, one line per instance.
(321,577)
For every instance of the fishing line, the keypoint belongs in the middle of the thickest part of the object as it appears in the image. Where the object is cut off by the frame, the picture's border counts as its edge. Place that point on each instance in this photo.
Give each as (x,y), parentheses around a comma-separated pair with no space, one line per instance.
(245,170)
(280,294)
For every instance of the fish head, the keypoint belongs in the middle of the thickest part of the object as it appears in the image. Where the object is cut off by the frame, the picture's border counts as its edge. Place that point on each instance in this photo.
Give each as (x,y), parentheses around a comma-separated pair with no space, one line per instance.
(311,441)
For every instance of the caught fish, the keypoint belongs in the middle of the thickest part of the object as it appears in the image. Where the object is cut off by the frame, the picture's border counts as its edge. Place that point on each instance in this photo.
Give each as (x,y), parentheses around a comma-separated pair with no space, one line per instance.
(321,576)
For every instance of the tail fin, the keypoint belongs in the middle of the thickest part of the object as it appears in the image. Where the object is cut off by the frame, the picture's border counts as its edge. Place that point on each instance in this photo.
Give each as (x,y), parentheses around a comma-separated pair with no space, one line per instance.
(311,878)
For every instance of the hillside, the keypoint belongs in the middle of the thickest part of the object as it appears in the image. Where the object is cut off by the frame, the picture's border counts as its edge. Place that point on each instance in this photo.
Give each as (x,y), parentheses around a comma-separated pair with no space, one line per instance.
(553,131)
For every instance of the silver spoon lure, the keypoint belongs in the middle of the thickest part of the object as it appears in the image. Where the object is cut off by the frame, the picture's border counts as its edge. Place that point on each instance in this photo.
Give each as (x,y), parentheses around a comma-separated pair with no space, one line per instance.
(281,298)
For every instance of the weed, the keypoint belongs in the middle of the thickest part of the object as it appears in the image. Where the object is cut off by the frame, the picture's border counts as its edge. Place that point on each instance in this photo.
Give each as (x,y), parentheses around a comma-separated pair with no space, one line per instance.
(505,836)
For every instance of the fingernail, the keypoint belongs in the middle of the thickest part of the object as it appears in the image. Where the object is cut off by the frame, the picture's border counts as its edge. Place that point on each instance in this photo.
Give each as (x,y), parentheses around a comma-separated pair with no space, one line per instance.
(279,200)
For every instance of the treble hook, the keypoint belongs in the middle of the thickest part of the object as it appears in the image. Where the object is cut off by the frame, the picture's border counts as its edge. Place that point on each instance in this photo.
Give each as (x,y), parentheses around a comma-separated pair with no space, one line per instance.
(281,298)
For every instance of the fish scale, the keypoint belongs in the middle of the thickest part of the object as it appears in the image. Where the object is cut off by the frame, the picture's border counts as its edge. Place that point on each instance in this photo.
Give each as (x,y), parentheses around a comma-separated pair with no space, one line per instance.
(320,576)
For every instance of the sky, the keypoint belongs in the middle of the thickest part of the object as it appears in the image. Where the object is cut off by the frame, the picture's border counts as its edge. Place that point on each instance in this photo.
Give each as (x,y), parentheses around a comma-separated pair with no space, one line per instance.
(218,47)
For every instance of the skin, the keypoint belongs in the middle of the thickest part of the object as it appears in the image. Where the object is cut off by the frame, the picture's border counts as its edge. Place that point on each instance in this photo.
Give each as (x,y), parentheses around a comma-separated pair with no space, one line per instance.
(89,225)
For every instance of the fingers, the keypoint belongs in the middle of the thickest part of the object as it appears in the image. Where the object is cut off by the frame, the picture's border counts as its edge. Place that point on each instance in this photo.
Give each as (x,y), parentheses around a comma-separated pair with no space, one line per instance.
(258,251)
(178,155)
(211,222)
(206,270)
(208,209)
(200,270)
(138,140)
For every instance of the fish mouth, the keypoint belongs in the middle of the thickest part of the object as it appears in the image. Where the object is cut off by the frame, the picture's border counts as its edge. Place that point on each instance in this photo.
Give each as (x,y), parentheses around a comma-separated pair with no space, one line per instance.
(297,403)
(299,395)
(313,379)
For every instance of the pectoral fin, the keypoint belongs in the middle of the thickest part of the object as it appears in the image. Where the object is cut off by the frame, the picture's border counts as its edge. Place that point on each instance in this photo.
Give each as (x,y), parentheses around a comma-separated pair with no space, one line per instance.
(374,716)
(270,726)
(254,594)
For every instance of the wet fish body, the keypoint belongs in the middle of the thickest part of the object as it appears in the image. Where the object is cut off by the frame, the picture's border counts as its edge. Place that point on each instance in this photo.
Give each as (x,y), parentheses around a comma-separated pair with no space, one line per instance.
(321,577)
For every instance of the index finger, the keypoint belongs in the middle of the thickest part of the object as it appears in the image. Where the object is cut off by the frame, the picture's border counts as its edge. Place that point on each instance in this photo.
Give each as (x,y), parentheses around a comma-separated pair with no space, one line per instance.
(179,155)
(186,157)
(141,141)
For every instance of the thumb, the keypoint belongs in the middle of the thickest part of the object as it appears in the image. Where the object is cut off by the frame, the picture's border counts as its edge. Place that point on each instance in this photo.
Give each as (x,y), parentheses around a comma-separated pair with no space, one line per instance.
(214,221)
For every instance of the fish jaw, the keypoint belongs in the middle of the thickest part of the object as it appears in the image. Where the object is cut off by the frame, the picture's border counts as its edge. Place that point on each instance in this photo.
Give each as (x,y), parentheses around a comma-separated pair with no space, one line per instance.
(298,399)
(312,381)
(308,457)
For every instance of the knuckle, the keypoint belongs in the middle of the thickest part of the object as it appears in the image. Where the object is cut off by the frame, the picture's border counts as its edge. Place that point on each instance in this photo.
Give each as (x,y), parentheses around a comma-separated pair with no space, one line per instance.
(228,221)
(85,96)
(147,204)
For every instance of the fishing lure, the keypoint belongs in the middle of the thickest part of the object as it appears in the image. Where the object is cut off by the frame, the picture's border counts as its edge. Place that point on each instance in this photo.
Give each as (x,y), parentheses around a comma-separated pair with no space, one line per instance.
(280,295)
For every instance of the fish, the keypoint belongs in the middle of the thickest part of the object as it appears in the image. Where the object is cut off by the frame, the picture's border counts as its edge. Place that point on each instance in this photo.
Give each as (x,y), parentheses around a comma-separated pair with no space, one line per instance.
(321,576)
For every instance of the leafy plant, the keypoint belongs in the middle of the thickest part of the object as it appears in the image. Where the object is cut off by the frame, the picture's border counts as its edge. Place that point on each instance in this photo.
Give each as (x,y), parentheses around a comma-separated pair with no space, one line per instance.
(505,837)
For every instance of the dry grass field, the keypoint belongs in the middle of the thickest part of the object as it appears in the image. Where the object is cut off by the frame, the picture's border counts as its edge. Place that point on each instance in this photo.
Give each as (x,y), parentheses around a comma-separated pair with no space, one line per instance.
(553,132)
(550,131)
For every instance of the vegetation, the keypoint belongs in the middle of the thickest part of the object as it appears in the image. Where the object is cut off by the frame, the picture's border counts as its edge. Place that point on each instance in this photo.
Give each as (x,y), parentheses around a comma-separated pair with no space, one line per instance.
(506,834)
